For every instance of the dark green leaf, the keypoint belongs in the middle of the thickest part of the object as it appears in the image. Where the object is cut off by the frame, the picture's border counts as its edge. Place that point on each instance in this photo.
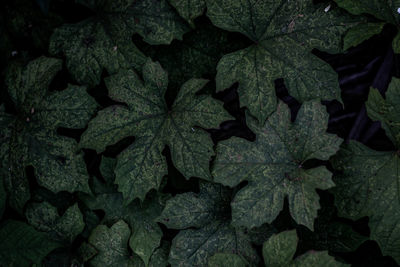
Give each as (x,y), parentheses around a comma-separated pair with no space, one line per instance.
(21,245)
(141,166)
(189,9)
(227,260)
(273,166)
(284,33)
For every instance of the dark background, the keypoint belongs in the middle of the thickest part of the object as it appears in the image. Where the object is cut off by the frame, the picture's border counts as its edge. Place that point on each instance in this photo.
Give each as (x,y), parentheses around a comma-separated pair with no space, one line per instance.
(25,29)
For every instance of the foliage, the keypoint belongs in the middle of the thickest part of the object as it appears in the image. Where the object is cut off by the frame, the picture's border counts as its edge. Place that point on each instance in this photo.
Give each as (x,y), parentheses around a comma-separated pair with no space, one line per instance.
(111,114)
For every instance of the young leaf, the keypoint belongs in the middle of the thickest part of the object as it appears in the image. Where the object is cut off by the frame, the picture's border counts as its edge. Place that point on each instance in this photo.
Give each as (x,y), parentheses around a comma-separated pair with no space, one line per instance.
(44,217)
(284,33)
(387,11)
(30,137)
(104,41)
(209,213)
(141,166)
(21,245)
(278,251)
(272,165)
(112,245)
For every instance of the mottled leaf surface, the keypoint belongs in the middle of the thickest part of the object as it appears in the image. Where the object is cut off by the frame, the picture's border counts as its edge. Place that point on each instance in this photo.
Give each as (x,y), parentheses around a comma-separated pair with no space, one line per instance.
(387,111)
(45,218)
(386,11)
(279,250)
(141,217)
(104,41)
(21,245)
(284,33)
(361,32)
(369,186)
(141,166)
(227,260)
(189,9)
(30,137)
(209,214)
(112,245)
(272,165)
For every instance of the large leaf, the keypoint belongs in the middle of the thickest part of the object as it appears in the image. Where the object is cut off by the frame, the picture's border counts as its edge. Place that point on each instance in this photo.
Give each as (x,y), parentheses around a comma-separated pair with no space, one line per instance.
(30,137)
(141,166)
(44,217)
(387,11)
(369,181)
(21,245)
(209,213)
(272,165)
(104,41)
(112,245)
(284,33)
(279,250)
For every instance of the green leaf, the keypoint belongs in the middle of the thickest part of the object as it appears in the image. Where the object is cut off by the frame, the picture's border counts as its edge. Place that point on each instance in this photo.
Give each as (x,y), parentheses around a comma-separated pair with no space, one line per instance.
(30,137)
(44,217)
(112,245)
(141,217)
(141,166)
(387,111)
(360,33)
(272,165)
(104,41)
(368,185)
(21,245)
(278,251)
(209,213)
(396,43)
(387,11)
(189,9)
(227,260)
(283,33)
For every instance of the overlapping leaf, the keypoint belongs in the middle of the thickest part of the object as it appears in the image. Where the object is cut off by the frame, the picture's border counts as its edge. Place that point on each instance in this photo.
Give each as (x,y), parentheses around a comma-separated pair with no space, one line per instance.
(104,41)
(30,138)
(209,213)
(279,250)
(141,166)
(21,245)
(189,9)
(272,165)
(284,33)
(369,182)
(386,11)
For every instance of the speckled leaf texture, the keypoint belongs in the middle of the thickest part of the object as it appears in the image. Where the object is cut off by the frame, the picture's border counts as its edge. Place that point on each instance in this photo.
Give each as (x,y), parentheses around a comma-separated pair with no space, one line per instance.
(21,245)
(104,41)
(45,218)
(141,166)
(272,165)
(283,34)
(189,9)
(30,137)
(227,260)
(369,181)
(279,250)
(204,221)
(386,11)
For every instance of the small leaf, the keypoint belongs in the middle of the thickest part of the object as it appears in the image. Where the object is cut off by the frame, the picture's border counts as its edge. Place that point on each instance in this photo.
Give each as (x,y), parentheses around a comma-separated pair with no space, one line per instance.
(189,9)
(21,245)
(227,260)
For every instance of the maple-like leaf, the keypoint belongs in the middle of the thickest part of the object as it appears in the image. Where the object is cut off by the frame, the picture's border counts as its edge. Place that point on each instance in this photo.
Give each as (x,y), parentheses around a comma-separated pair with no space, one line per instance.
(369,181)
(104,41)
(386,11)
(141,166)
(204,221)
(30,137)
(283,34)
(273,166)
(279,250)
